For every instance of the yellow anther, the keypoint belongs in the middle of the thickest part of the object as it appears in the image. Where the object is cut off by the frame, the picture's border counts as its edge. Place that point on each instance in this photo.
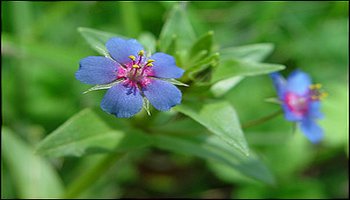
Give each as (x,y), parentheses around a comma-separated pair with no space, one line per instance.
(132,57)
(141,53)
(149,64)
(323,95)
(150,61)
(319,96)
(318,86)
(315,86)
(135,66)
(317,92)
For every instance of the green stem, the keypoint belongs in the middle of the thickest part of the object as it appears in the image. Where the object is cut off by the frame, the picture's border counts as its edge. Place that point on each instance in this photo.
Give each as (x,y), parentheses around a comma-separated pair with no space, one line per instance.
(130,18)
(90,177)
(261,120)
(22,28)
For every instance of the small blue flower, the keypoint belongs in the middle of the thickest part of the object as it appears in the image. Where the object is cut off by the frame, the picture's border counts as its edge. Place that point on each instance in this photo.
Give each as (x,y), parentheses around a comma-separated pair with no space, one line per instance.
(136,76)
(301,102)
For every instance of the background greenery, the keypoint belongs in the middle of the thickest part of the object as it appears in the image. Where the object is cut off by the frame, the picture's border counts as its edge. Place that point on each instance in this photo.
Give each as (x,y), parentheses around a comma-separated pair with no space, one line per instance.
(41,49)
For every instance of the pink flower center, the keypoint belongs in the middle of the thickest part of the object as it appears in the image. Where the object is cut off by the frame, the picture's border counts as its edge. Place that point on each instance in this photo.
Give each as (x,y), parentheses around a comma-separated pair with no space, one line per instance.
(136,73)
(299,104)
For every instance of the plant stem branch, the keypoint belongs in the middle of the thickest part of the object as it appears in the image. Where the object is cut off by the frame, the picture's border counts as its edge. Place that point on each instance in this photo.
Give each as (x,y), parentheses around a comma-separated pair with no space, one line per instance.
(261,120)
(86,180)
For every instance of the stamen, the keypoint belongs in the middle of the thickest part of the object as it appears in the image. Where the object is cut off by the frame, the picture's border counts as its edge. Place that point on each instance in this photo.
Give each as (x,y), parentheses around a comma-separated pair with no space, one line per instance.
(136,68)
(132,57)
(323,95)
(316,94)
(141,53)
(148,64)
(315,86)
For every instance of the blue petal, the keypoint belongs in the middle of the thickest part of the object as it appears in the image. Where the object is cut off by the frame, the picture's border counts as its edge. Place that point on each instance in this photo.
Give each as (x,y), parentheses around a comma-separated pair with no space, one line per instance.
(97,70)
(162,94)
(164,66)
(120,49)
(122,101)
(311,130)
(315,110)
(279,83)
(298,82)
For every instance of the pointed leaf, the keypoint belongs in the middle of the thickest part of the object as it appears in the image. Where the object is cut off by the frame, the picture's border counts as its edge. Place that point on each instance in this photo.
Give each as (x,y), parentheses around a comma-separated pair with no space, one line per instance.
(204,43)
(214,149)
(178,25)
(219,118)
(200,72)
(146,106)
(253,52)
(97,39)
(222,87)
(86,132)
(103,87)
(198,66)
(233,67)
(174,81)
(171,50)
(34,177)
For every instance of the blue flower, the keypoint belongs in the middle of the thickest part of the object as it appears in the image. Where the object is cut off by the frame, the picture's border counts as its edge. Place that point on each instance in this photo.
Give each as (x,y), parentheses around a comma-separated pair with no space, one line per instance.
(135,75)
(301,102)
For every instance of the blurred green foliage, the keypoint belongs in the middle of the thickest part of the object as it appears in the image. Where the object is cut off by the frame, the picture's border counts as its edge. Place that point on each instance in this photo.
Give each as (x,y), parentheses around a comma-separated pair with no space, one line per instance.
(41,49)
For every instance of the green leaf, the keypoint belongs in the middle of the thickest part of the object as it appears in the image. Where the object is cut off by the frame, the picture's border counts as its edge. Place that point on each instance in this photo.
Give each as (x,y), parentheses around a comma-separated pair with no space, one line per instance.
(177,25)
(222,87)
(146,106)
(195,71)
(219,118)
(86,132)
(97,39)
(171,50)
(174,81)
(253,52)
(203,44)
(199,66)
(214,149)
(233,67)
(103,87)
(34,177)
(228,174)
